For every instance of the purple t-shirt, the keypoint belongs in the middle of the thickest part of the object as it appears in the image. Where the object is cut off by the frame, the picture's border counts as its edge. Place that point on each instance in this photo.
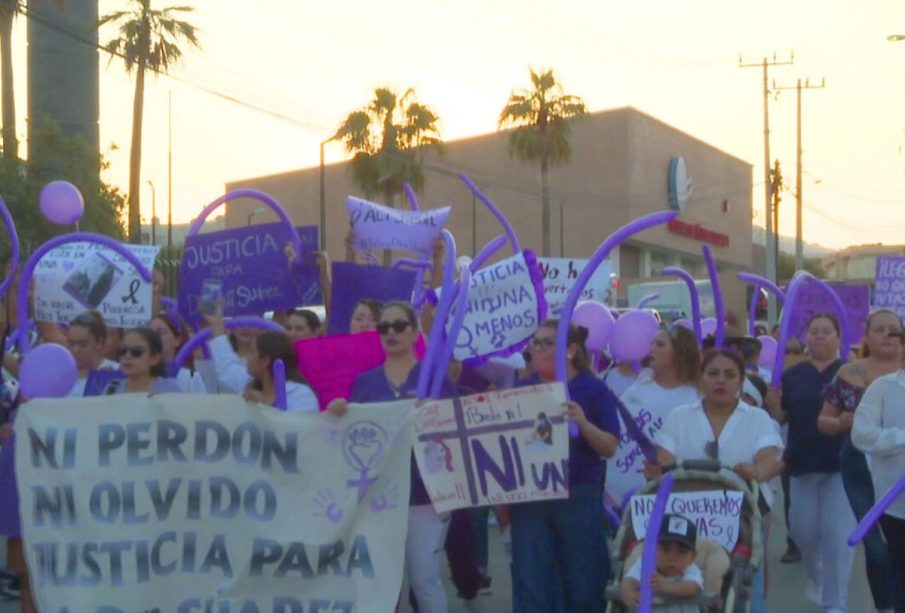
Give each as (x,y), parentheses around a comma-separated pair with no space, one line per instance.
(373,386)
(599,406)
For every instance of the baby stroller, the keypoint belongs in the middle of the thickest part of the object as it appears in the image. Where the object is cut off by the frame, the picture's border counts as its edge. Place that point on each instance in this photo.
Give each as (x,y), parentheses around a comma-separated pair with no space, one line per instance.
(727,575)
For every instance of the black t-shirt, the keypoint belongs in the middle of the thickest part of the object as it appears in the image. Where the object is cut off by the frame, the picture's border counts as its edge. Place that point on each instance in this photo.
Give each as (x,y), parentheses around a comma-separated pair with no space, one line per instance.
(808,450)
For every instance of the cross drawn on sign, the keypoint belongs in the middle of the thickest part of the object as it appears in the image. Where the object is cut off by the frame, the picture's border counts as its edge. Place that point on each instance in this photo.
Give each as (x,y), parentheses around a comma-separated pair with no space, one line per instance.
(463,433)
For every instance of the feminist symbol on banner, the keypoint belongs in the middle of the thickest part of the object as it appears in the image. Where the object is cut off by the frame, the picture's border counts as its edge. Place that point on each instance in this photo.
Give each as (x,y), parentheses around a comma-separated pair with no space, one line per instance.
(134,286)
(364,443)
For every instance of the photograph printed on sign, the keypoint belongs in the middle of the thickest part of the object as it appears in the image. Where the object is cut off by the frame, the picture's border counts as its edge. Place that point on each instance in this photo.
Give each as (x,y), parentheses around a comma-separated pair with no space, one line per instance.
(92,280)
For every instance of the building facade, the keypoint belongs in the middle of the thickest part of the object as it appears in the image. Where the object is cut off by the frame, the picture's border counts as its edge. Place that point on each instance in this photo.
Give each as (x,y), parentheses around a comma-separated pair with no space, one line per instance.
(624,165)
(857,264)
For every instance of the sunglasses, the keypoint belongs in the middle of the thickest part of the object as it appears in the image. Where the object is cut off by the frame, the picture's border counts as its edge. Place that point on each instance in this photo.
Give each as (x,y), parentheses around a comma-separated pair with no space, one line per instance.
(712,449)
(399,325)
(135,352)
(542,343)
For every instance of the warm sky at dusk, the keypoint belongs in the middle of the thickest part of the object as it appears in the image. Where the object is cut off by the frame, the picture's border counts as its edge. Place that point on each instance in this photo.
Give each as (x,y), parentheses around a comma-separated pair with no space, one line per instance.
(315,61)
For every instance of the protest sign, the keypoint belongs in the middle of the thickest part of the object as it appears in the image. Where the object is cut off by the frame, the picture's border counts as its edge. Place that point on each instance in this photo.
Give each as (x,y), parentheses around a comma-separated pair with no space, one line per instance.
(560,275)
(501,447)
(354,282)
(889,284)
(380,227)
(99,381)
(812,299)
(331,363)
(625,470)
(187,503)
(252,267)
(79,277)
(716,513)
(505,307)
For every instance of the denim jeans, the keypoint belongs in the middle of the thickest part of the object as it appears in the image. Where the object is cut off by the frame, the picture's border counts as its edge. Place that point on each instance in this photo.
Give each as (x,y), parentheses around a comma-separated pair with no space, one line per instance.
(559,554)
(882,575)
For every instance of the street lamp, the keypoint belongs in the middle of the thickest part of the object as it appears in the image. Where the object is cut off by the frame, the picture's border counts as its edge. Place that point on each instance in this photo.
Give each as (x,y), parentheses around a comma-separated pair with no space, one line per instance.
(153,213)
(258,210)
(324,196)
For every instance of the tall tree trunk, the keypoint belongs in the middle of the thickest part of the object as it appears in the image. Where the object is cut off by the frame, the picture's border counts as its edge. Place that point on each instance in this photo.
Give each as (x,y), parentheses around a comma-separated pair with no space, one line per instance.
(10,144)
(135,156)
(545,206)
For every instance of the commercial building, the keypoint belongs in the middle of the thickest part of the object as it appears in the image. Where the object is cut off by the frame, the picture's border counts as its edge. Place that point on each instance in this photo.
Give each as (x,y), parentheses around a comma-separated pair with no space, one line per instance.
(625,164)
(858,264)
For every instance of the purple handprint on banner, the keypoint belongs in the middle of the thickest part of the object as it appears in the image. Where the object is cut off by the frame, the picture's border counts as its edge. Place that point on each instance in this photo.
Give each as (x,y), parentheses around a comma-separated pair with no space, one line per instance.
(327,505)
(385,499)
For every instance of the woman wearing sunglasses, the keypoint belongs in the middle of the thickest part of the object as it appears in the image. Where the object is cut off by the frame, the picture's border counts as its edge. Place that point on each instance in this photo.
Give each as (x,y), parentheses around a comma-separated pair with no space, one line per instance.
(141,360)
(198,376)
(395,379)
(559,548)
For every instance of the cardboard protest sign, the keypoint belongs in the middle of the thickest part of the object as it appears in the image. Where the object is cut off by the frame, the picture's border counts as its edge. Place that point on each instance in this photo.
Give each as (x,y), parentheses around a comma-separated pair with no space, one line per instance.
(812,299)
(889,284)
(625,470)
(560,275)
(331,363)
(79,277)
(353,282)
(501,447)
(505,307)
(183,503)
(381,227)
(716,513)
(252,267)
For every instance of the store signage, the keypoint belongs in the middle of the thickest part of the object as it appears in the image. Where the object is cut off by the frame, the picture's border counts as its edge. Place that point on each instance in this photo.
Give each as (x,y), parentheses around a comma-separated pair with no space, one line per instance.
(698,232)
(680,185)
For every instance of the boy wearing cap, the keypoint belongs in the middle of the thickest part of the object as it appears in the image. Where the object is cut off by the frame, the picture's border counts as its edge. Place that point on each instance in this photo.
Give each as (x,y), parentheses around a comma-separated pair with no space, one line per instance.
(676,574)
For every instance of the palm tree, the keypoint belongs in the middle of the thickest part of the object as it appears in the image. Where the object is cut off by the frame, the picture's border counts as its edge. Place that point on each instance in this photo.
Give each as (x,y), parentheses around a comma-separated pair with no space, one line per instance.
(386,139)
(541,117)
(8,10)
(148,40)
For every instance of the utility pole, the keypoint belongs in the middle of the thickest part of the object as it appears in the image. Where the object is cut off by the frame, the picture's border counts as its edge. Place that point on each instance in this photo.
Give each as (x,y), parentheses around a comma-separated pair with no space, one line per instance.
(771,254)
(170,174)
(799,247)
(776,185)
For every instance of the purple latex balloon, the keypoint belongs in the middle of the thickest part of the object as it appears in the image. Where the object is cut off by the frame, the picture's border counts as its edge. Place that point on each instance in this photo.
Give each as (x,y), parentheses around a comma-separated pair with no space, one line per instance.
(876,512)
(649,551)
(645,300)
(672,271)
(600,254)
(428,362)
(61,202)
(202,336)
(13,247)
(48,371)
(409,263)
(768,346)
(596,317)
(708,327)
(632,335)
(719,309)
(449,344)
(685,323)
(410,194)
(487,252)
(279,385)
(759,282)
(64,239)
(516,248)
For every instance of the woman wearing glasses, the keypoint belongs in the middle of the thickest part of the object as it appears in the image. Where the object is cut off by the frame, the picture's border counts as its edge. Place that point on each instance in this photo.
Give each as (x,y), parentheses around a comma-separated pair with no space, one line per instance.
(141,360)
(395,379)
(820,517)
(559,549)
(882,354)
(671,381)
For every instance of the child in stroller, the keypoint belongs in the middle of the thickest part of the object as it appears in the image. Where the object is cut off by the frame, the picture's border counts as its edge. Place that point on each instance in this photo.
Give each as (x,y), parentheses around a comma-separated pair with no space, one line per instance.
(727,575)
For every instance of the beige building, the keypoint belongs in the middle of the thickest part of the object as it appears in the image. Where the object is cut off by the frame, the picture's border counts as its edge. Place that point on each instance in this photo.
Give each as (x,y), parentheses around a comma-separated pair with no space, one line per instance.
(619,171)
(857,264)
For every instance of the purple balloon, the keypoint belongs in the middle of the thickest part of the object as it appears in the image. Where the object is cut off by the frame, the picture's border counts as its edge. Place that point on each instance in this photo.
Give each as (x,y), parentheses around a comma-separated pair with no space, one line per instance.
(410,194)
(768,346)
(877,511)
(13,247)
(685,323)
(202,336)
(601,253)
(758,282)
(708,327)
(494,211)
(449,344)
(647,299)
(672,271)
(64,239)
(61,202)
(428,362)
(719,309)
(596,317)
(409,263)
(279,385)
(486,252)
(632,335)
(48,371)
(649,551)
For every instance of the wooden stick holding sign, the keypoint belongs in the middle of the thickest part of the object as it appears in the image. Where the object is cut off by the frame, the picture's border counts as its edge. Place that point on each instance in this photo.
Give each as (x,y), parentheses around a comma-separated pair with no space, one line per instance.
(801,277)
(613,240)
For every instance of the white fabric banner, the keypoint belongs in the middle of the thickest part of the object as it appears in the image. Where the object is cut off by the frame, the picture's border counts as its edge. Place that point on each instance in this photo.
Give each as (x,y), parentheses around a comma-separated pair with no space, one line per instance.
(717,514)
(80,277)
(178,503)
(500,447)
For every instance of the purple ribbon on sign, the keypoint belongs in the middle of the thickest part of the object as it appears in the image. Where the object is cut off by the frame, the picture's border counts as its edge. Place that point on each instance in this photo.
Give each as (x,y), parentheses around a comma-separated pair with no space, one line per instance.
(672,271)
(649,552)
(279,385)
(876,512)
(718,307)
(759,282)
(562,333)
(13,248)
(202,337)
(798,280)
(65,239)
